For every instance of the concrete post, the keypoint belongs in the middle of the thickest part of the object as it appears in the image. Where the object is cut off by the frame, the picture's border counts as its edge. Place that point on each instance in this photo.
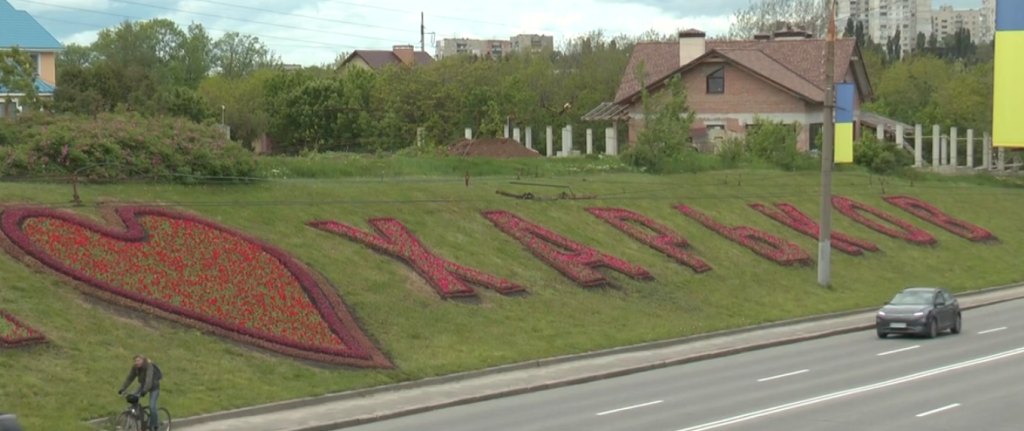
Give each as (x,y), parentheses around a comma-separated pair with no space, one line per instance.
(918,145)
(420,136)
(986,151)
(899,136)
(609,141)
(590,141)
(936,145)
(880,132)
(469,133)
(515,135)
(569,130)
(1001,164)
(952,146)
(970,148)
(551,141)
(506,130)
(529,137)
(566,142)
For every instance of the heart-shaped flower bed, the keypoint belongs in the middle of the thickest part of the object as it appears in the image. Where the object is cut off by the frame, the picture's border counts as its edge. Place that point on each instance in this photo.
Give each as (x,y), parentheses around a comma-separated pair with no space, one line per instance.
(198,273)
(14,333)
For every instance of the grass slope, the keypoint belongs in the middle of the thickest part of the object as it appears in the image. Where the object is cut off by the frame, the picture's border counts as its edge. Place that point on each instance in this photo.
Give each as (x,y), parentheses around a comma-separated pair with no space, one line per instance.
(75,378)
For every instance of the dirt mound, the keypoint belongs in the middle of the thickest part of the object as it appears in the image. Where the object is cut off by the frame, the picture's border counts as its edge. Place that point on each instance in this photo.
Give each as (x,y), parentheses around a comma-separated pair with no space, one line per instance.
(490,147)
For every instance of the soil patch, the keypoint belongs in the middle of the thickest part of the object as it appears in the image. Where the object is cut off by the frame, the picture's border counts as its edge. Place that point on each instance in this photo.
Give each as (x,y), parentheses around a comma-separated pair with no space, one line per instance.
(501,148)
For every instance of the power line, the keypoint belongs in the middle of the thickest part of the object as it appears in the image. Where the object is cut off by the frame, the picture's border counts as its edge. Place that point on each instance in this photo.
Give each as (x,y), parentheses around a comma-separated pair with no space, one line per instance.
(414,12)
(303,16)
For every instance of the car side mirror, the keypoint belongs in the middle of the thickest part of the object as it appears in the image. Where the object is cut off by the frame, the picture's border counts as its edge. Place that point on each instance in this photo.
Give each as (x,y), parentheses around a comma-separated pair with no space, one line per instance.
(940,302)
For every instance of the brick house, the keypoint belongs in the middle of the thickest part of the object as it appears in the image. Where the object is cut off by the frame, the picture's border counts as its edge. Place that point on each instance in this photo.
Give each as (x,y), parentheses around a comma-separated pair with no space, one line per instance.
(376,59)
(779,77)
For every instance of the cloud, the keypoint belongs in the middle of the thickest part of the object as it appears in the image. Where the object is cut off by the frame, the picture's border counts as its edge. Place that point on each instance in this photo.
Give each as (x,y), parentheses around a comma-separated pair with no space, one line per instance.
(312,32)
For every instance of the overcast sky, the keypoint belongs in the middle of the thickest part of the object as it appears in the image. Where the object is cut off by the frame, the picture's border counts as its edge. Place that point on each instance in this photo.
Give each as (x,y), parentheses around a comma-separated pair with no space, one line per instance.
(314,31)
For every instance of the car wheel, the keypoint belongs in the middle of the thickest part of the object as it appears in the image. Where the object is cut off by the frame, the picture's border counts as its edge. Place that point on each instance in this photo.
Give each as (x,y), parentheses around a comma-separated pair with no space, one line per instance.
(933,328)
(881,334)
(956,325)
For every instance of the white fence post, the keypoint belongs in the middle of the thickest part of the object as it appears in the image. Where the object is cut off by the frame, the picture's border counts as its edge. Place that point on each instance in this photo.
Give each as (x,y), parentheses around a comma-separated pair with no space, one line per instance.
(970,148)
(551,141)
(918,144)
(590,141)
(936,146)
(529,137)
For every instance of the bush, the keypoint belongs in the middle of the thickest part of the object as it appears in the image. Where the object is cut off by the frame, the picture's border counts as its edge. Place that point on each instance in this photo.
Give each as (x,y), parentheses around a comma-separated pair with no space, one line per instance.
(776,143)
(881,157)
(119,146)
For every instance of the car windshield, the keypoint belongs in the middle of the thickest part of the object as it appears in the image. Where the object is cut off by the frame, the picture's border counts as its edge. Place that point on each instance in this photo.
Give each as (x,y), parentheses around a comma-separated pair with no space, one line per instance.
(912,298)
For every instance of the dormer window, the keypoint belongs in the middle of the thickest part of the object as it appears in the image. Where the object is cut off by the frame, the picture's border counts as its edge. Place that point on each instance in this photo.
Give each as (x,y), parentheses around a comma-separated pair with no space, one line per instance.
(716,81)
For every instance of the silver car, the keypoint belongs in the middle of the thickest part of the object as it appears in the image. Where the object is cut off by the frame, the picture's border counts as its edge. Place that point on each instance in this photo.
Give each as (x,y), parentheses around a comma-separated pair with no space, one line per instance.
(919,311)
(9,422)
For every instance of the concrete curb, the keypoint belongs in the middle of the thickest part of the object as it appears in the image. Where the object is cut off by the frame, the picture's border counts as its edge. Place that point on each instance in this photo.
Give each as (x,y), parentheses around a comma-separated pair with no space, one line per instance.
(434,381)
(345,423)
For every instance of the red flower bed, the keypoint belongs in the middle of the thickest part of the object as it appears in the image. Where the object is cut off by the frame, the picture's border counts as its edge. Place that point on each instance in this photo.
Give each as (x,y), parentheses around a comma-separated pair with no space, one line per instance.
(198,273)
(762,243)
(906,231)
(572,259)
(935,216)
(789,215)
(393,238)
(664,240)
(13,333)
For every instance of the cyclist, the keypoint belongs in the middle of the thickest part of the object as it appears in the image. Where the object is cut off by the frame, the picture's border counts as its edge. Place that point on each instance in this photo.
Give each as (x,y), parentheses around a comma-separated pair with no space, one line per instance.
(9,423)
(149,377)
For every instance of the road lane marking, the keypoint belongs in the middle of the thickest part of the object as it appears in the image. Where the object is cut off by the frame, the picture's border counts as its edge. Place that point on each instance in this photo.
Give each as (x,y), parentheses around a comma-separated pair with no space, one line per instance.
(938,410)
(630,407)
(899,350)
(835,395)
(991,330)
(783,375)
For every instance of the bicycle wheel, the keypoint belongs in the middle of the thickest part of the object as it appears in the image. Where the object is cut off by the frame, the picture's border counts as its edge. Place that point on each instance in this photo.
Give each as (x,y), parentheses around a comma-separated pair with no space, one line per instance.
(165,419)
(126,421)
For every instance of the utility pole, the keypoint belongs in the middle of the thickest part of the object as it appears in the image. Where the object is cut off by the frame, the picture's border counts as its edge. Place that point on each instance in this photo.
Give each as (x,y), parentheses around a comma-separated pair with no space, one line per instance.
(828,137)
(423,34)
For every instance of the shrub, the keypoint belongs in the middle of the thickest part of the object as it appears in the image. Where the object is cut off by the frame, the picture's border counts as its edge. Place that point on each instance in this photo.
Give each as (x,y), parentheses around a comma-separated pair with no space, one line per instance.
(881,157)
(776,143)
(119,146)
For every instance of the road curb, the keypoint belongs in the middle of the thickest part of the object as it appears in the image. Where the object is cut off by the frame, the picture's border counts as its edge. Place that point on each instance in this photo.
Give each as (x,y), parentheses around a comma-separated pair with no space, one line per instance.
(345,423)
(435,381)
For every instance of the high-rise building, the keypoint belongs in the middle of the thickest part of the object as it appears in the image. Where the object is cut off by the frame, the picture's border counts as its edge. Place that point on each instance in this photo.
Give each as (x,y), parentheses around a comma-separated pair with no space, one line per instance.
(882,18)
(494,48)
(987,31)
(946,21)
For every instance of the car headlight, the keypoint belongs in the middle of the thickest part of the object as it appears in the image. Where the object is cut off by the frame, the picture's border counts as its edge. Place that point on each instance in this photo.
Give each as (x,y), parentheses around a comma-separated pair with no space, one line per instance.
(881,313)
(919,313)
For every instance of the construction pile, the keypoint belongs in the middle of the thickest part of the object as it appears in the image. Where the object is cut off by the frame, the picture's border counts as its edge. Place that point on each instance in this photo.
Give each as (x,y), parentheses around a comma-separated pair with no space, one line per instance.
(500,148)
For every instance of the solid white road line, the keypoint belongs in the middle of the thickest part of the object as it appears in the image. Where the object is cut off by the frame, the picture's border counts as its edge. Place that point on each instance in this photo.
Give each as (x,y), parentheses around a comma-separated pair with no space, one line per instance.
(782,375)
(938,410)
(630,407)
(991,330)
(832,396)
(899,350)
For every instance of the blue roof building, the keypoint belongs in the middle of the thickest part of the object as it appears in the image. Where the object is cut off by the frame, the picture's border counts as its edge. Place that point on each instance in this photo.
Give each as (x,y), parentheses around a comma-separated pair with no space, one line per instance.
(21,30)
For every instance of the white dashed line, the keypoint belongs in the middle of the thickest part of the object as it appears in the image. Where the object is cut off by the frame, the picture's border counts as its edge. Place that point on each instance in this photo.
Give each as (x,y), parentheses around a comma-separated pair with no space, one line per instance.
(938,410)
(991,330)
(783,375)
(630,408)
(899,350)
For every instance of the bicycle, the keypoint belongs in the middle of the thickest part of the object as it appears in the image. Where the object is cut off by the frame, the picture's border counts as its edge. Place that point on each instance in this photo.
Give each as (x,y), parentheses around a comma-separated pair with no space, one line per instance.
(136,417)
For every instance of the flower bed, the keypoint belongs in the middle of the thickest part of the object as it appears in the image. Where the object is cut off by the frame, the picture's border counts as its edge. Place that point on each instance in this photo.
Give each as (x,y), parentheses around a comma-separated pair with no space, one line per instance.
(906,231)
(14,333)
(574,260)
(789,215)
(448,278)
(936,217)
(664,238)
(762,243)
(198,273)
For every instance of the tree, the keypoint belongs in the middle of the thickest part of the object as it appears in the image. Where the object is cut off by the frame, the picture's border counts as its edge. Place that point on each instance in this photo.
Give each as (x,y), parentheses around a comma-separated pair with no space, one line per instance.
(17,74)
(236,55)
(851,28)
(859,34)
(766,16)
(922,42)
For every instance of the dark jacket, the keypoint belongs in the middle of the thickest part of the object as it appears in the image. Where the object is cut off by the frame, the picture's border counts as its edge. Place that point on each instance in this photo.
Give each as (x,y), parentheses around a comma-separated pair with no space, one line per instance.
(147,379)
(9,423)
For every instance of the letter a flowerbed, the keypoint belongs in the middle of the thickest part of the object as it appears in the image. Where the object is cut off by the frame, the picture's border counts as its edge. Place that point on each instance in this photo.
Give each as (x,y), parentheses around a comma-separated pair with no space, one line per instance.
(197,273)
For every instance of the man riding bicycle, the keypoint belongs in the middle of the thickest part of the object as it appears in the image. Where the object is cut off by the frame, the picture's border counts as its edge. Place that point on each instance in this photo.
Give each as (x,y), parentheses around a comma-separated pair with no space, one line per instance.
(149,377)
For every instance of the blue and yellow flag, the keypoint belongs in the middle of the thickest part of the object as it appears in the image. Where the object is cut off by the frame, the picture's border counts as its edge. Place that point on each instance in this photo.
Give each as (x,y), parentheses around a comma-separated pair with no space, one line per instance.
(845,93)
(1007,105)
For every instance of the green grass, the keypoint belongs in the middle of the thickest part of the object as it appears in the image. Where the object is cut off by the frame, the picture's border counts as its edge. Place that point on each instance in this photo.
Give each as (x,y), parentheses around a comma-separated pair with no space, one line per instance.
(76,377)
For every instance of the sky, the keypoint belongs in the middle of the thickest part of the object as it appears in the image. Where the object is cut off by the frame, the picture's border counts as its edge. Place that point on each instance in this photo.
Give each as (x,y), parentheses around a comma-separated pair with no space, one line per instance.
(310,32)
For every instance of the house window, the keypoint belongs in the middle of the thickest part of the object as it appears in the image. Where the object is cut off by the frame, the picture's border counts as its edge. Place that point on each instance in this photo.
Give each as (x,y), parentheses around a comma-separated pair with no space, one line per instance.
(716,81)
(36,62)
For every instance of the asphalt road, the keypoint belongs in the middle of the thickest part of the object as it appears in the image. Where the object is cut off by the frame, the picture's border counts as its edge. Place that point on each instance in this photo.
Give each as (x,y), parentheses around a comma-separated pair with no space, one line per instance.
(852,382)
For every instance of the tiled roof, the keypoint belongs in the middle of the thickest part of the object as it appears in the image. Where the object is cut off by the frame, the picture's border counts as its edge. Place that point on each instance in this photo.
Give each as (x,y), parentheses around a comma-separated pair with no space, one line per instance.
(41,87)
(794,64)
(18,28)
(376,59)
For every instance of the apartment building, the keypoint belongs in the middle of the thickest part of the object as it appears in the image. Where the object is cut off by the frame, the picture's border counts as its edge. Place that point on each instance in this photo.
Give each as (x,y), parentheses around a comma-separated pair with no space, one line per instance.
(987,32)
(493,48)
(882,18)
(946,21)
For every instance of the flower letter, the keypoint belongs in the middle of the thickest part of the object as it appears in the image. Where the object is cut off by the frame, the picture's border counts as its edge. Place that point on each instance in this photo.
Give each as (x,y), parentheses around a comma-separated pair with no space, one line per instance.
(790,216)
(664,240)
(937,217)
(766,245)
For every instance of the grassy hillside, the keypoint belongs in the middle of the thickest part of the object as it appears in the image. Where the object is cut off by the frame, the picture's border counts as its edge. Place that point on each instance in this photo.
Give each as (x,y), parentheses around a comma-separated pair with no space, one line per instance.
(76,375)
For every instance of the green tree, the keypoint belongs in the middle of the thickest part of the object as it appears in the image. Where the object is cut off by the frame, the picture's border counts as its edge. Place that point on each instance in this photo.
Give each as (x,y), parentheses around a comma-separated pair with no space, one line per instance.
(17,74)
(235,55)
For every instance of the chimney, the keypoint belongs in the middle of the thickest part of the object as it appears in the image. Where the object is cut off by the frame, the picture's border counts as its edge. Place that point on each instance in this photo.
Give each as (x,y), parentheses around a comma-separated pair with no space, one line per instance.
(791,35)
(691,45)
(404,53)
